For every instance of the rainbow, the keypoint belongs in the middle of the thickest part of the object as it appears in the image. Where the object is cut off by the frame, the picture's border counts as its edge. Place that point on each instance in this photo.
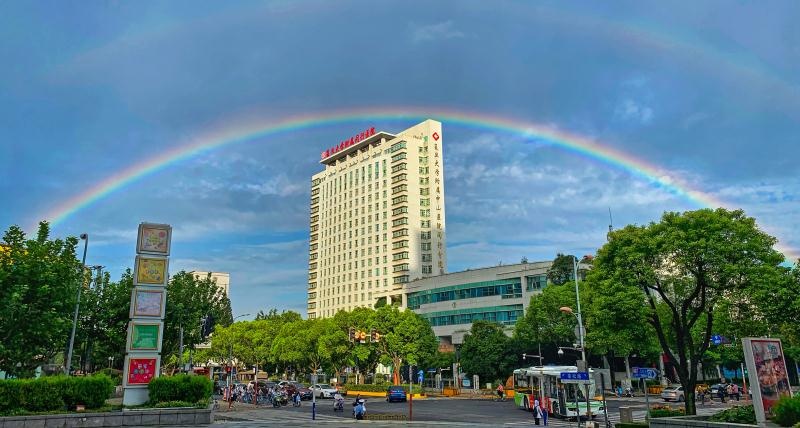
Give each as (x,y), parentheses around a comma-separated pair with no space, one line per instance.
(259,128)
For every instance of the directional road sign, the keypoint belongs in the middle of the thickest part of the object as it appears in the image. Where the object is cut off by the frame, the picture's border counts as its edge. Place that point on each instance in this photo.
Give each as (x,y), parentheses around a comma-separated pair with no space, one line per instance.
(575,377)
(644,373)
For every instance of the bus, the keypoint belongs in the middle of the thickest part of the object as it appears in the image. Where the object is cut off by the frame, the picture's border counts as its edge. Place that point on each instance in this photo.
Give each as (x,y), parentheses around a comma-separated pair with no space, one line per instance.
(544,384)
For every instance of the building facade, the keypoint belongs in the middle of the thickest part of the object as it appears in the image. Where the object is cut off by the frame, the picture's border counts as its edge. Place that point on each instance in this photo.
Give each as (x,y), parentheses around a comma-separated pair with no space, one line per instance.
(377,218)
(453,301)
(223,279)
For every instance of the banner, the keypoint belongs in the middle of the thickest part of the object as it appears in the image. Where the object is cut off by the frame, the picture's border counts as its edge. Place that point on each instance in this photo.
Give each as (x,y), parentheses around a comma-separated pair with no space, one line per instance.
(767,373)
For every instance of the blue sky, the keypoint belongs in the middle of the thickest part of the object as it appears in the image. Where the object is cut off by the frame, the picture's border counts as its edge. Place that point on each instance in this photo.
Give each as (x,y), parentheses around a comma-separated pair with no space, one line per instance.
(709,92)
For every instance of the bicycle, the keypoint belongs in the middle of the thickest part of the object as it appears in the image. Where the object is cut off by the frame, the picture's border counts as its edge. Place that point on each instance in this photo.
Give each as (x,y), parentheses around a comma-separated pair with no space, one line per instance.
(498,399)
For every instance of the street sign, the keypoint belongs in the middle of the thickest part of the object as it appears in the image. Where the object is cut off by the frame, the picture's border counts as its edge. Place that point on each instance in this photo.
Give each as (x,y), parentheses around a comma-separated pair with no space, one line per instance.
(644,373)
(716,339)
(575,377)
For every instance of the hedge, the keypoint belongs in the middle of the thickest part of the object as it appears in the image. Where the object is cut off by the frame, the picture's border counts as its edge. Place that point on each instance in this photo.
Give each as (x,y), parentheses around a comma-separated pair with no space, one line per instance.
(182,387)
(53,393)
(787,411)
(631,425)
(378,388)
(736,415)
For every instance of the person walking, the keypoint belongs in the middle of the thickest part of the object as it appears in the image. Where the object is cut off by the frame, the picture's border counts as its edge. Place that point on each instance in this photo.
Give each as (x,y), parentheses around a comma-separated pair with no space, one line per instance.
(537,412)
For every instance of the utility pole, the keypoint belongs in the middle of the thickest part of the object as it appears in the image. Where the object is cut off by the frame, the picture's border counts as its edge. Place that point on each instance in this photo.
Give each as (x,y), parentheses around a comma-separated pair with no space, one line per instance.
(68,362)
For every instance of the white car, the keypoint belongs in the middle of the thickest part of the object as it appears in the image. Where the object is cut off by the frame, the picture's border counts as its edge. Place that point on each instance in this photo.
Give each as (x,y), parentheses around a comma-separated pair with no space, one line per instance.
(674,392)
(323,390)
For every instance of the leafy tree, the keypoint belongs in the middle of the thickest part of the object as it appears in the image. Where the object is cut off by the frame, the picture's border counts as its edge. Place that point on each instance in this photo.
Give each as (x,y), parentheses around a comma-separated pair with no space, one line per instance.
(684,266)
(543,322)
(105,312)
(616,320)
(189,299)
(406,337)
(364,356)
(487,353)
(561,271)
(39,279)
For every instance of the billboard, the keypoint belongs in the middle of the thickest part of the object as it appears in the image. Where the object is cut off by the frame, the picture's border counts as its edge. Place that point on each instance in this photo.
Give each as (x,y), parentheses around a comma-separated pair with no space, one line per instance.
(767,373)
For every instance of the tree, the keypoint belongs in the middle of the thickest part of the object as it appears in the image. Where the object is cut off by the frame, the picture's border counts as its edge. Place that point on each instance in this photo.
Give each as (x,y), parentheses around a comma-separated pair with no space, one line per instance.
(406,337)
(189,299)
(487,353)
(543,322)
(39,279)
(561,270)
(684,266)
(616,320)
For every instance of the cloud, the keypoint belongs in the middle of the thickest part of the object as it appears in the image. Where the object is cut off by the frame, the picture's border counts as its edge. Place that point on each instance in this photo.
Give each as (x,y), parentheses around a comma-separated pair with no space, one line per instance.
(630,110)
(440,31)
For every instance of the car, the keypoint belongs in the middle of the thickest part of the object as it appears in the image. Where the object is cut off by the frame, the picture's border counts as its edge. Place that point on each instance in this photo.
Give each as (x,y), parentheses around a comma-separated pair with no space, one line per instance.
(674,392)
(323,390)
(305,392)
(395,393)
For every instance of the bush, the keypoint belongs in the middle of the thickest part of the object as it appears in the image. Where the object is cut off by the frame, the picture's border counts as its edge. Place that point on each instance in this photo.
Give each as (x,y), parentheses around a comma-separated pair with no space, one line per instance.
(202,404)
(114,374)
(666,413)
(53,393)
(182,387)
(736,415)
(631,425)
(787,411)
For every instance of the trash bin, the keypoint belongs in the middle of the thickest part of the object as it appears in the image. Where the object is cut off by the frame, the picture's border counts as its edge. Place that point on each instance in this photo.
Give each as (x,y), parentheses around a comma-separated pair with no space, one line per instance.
(626,414)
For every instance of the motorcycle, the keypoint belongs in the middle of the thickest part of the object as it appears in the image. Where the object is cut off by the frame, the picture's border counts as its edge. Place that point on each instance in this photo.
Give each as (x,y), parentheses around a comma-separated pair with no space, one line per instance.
(338,405)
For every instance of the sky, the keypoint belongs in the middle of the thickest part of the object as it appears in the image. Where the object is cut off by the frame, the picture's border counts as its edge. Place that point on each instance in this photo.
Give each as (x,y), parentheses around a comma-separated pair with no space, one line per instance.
(707,94)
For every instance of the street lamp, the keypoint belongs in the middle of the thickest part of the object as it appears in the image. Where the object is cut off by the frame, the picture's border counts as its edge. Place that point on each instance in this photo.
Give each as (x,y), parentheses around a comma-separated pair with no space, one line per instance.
(581,332)
(68,363)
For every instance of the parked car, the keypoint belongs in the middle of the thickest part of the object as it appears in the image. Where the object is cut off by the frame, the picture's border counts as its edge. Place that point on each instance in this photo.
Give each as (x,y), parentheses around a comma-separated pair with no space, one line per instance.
(674,392)
(323,390)
(395,393)
(305,392)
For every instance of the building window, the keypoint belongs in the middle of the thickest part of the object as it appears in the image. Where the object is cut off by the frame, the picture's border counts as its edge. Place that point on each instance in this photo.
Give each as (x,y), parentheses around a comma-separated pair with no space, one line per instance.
(427,269)
(400,210)
(399,156)
(424,181)
(425,213)
(425,223)
(427,258)
(537,282)
(424,202)
(400,221)
(399,199)
(426,246)
(400,188)
(423,170)
(400,268)
(400,256)
(402,279)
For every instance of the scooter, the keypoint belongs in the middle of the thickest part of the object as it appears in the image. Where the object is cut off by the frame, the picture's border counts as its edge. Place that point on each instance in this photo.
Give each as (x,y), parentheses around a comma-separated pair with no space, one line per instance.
(338,405)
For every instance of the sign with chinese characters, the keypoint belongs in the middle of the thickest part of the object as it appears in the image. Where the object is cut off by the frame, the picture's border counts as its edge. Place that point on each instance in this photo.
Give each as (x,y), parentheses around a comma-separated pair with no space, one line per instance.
(154,239)
(150,270)
(644,373)
(575,377)
(148,302)
(769,380)
(140,370)
(352,141)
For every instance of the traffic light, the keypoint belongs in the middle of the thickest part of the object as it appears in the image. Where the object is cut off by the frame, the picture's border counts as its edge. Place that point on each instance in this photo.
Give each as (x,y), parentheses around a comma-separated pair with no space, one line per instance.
(375,336)
(352,334)
(362,336)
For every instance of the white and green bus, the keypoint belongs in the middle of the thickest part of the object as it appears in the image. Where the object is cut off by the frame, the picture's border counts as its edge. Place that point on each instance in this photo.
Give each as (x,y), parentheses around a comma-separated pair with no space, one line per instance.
(544,384)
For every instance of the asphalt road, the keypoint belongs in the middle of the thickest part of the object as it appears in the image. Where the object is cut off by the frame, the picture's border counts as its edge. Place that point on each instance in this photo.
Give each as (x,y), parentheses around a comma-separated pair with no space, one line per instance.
(437,411)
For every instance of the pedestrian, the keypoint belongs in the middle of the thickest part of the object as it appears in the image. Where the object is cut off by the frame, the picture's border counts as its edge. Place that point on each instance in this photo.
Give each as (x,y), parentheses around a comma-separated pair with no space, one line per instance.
(723,389)
(735,391)
(544,415)
(537,412)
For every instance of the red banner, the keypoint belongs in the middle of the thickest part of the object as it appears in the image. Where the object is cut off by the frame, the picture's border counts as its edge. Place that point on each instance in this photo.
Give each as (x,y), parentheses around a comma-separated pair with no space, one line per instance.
(141,370)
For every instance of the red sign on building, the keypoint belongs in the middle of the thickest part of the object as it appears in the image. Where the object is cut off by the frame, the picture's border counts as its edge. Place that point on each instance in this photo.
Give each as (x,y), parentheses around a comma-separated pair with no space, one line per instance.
(348,143)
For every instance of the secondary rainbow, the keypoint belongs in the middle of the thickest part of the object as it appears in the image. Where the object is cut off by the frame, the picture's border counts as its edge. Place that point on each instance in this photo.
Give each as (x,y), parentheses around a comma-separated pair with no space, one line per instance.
(256,129)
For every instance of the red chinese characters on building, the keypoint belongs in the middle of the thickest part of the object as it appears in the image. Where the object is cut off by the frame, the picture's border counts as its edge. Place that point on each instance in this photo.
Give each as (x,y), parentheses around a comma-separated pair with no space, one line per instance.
(361,136)
(141,370)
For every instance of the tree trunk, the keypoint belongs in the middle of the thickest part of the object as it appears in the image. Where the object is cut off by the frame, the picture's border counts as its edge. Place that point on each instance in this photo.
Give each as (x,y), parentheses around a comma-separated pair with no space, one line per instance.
(627,368)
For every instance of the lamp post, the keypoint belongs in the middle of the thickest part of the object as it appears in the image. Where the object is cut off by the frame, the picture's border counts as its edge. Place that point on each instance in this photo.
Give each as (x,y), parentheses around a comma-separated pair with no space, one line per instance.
(230,357)
(581,332)
(68,362)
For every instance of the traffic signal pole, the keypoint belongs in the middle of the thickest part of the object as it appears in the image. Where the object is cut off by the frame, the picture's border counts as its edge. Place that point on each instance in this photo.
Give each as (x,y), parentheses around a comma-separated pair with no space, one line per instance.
(410,392)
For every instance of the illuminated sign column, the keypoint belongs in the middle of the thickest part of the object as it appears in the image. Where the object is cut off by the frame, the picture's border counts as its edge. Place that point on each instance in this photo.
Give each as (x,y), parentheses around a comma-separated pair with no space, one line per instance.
(148,302)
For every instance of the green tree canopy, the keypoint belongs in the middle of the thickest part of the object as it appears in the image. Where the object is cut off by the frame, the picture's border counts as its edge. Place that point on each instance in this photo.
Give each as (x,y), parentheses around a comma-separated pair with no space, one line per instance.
(406,337)
(39,279)
(685,266)
(561,271)
(543,322)
(487,353)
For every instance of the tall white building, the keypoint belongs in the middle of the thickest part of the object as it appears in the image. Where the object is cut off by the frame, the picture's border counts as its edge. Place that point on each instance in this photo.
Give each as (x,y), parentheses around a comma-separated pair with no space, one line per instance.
(377,217)
(223,279)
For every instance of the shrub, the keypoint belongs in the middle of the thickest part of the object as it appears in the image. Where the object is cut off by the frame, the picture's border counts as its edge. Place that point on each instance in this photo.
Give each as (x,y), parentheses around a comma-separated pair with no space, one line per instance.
(631,425)
(787,411)
(182,387)
(736,415)
(666,413)
(114,374)
(53,393)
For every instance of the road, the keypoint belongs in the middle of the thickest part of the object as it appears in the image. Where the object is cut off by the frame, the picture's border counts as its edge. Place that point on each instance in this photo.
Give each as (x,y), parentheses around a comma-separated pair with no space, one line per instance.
(432,411)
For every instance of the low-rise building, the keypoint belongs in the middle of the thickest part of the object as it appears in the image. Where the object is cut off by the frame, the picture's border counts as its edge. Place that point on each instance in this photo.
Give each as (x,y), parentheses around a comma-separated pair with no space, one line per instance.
(223,279)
